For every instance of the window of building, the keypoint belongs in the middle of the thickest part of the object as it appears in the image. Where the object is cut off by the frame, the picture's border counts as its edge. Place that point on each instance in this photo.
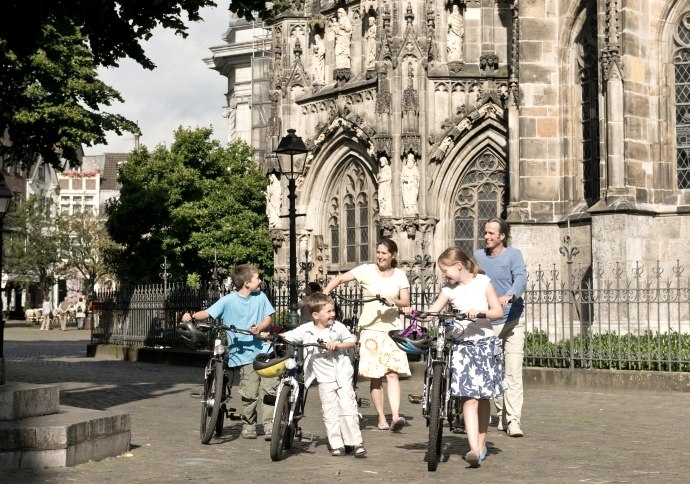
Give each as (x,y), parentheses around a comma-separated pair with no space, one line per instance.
(588,75)
(481,195)
(351,241)
(681,63)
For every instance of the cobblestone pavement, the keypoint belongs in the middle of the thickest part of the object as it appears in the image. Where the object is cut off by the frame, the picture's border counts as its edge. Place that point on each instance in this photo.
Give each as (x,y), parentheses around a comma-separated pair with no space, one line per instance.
(570,437)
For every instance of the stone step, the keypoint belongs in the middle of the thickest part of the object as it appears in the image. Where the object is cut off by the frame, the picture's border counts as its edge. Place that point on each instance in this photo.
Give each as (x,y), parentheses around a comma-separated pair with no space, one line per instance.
(22,400)
(65,439)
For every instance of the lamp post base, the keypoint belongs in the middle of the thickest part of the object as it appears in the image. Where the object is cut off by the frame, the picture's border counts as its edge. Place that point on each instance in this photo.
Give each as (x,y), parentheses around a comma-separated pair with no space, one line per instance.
(293,320)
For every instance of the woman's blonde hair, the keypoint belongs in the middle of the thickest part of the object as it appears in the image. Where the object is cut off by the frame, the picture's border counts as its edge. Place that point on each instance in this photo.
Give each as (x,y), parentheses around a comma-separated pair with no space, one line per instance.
(454,255)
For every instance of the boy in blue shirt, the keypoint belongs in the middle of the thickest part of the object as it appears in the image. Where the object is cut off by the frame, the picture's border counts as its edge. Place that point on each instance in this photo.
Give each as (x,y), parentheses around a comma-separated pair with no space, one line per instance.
(246,308)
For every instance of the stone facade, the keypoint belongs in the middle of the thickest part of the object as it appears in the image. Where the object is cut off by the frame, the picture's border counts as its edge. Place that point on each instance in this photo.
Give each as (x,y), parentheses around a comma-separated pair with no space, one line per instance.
(566,117)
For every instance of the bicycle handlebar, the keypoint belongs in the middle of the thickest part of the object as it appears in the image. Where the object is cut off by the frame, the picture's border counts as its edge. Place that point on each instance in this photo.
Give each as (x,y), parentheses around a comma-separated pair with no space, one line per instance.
(360,300)
(415,315)
(319,342)
(217,325)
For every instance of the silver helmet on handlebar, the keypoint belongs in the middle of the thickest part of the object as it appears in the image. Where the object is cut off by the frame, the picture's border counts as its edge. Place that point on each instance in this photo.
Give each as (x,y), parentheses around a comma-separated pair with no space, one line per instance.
(191,336)
(411,340)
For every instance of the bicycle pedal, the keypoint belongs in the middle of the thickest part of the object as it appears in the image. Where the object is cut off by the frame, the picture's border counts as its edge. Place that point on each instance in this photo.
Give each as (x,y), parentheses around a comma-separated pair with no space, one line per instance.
(306,437)
(363,402)
(232,414)
(414,398)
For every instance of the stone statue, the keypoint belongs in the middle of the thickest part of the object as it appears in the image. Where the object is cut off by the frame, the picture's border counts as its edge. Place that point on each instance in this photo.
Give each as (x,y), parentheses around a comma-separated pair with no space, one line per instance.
(384,179)
(456,35)
(370,36)
(410,185)
(274,200)
(318,60)
(343,39)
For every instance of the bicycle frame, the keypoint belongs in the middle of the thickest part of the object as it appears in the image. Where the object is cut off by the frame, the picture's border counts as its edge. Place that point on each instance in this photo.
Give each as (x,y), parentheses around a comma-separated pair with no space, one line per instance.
(437,403)
(289,408)
(218,378)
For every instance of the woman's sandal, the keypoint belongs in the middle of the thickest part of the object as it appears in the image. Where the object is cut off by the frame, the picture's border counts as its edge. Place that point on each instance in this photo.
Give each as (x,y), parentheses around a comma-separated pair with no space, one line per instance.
(340,451)
(360,451)
(383,426)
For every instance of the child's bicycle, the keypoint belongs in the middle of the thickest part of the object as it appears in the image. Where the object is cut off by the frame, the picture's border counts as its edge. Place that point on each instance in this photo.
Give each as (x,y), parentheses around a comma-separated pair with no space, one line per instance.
(218,377)
(437,403)
(356,303)
(291,395)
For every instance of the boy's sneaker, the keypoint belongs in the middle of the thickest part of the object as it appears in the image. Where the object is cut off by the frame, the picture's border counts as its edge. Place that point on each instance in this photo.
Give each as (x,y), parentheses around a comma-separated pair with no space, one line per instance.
(514,429)
(267,436)
(248,434)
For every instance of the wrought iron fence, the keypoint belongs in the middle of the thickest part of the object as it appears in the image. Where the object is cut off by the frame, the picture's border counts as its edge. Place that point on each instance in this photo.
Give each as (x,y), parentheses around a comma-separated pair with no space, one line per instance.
(610,317)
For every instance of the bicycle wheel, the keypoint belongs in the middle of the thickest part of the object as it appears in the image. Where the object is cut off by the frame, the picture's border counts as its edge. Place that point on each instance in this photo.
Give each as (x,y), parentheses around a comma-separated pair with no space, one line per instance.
(281,434)
(435,422)
(210,402)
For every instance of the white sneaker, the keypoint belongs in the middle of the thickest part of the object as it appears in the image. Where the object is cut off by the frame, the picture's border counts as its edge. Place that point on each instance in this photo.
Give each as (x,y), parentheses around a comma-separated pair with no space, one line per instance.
(514,429)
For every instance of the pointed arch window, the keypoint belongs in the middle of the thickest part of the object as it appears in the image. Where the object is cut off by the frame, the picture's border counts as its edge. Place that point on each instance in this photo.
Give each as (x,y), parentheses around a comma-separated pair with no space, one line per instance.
(681,64)
(481,196)
(588,71)
(351,218)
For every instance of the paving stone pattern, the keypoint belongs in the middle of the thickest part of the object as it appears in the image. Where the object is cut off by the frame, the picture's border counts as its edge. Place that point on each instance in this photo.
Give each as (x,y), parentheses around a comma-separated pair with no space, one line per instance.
(570,437)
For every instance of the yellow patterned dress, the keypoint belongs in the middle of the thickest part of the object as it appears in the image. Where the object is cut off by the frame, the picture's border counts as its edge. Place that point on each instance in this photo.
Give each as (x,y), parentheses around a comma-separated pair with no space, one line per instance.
(378,353)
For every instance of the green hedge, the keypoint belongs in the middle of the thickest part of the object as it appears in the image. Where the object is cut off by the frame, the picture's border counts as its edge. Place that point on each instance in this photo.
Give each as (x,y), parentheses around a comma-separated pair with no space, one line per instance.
(649,351)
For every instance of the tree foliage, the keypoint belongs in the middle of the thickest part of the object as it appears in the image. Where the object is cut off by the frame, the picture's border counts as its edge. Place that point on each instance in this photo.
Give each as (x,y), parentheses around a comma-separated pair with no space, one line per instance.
(52,98)
(191,203)
(33,246)
(86,248)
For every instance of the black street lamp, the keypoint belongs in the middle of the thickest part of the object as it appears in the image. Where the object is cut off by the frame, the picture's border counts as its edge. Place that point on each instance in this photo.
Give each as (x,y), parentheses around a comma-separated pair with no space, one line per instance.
(306,267)
(292,145)
(5,202)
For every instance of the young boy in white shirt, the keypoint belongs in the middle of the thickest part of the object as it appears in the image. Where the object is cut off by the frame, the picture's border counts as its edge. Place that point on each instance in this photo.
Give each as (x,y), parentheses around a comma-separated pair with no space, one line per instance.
(332,369)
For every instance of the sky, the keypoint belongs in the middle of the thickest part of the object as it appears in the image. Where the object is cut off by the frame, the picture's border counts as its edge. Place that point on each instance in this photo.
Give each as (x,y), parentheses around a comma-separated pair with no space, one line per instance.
(182,90)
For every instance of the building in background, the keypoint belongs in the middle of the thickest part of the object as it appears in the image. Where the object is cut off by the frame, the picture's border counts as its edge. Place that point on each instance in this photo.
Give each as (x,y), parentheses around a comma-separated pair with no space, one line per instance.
(245,59)
(569,119)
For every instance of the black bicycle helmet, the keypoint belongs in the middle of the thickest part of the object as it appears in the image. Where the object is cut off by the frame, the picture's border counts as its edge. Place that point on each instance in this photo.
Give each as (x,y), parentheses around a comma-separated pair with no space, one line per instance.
(268,365)
(415,342)
(191,336)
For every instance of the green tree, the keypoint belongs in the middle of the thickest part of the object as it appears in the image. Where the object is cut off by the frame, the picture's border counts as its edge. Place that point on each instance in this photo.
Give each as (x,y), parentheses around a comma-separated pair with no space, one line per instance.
(33,248)
(85,248)
(50,94)
(190,203)
(52,98)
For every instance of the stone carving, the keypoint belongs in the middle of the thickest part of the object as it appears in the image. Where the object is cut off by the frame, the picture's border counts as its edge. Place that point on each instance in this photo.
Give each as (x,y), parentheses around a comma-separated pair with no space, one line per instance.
(488,63)
(370,43)
(318,50)
(274,200)
(410,98)
(456,35)
(384,179)
(409,179)
(343,39)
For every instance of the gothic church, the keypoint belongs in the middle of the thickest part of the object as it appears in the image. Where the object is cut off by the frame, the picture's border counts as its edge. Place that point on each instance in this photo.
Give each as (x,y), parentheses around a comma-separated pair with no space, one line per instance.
(570,118)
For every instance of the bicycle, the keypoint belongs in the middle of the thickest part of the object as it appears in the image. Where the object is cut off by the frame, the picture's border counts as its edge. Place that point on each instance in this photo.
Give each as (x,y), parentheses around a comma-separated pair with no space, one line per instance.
(437,403)
(291,395)
(218,377)
(354,329)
